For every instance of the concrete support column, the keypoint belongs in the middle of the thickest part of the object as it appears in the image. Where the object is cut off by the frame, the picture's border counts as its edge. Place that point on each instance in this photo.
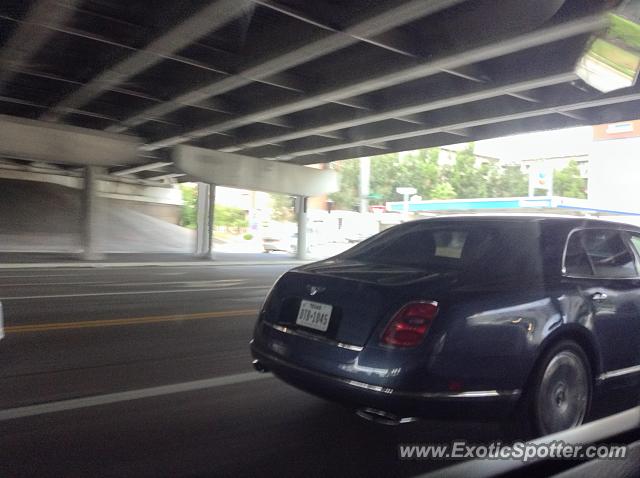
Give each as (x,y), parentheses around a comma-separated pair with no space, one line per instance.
(301,214)
(90,218)
(204,219)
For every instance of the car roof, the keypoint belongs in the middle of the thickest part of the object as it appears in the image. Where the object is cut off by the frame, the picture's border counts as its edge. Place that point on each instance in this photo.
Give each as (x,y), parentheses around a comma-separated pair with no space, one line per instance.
(566,219)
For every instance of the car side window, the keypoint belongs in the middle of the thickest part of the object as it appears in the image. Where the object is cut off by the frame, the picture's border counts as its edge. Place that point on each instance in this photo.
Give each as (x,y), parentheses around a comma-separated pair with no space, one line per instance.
(576,260)
(635,240)
(600,253)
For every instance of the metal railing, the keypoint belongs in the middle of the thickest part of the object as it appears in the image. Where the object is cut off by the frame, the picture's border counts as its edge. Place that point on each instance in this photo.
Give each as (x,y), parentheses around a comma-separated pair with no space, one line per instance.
(606,429)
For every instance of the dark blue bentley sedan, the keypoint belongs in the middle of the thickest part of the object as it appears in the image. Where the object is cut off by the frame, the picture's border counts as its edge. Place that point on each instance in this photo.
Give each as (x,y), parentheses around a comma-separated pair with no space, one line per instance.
(477,317)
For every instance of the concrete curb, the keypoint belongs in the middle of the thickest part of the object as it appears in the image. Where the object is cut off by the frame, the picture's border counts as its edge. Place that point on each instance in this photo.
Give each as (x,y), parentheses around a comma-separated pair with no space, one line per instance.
(97,265)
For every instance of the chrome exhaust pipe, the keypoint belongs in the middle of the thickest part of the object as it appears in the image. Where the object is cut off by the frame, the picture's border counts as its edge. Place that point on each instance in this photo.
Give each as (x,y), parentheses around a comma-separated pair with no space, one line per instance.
(383,418)
(259,366)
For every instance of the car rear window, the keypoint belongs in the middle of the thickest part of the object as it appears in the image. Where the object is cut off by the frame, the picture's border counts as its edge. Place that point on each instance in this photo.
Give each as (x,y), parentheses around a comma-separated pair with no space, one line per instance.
(449,243)
(478,252)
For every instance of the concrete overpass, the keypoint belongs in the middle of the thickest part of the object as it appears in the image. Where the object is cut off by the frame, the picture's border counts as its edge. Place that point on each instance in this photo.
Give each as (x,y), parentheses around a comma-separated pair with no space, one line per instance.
(186,90)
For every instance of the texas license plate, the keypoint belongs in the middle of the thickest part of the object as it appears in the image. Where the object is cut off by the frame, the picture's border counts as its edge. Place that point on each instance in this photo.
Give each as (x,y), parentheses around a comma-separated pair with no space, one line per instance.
(314,315)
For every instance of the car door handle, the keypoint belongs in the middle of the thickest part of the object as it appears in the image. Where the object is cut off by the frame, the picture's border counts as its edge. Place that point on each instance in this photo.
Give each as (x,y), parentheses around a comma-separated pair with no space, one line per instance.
(599,296)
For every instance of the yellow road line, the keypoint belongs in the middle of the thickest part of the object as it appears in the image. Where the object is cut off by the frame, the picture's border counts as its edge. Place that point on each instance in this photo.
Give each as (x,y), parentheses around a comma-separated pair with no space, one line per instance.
(84,324)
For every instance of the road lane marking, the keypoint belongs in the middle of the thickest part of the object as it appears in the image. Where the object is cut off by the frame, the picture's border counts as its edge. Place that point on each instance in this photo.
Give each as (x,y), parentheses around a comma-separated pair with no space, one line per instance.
(85,324)
(133,292)
(31,276)
(115,283)
(96,400)
(36,284)
(125,265)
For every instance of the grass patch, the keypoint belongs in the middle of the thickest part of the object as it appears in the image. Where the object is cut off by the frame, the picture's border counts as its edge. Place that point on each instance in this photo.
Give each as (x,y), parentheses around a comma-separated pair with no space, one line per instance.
(617,58)
(625,30)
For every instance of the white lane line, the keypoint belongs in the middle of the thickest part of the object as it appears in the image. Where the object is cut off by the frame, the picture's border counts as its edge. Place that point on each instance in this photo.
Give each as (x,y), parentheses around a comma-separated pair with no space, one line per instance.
(36,284)
(85,402)
(132,292)
(114,283)
(106,265)
(35,276)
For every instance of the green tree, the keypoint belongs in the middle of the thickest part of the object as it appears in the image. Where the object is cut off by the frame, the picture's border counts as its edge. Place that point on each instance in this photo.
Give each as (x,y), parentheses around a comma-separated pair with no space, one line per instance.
(385,177)
(282,207)
(568,183)
(419,169)
(467,180)
(443,190)
(223,215)
(348,172)
(232,217)
(511,182)
(189,205)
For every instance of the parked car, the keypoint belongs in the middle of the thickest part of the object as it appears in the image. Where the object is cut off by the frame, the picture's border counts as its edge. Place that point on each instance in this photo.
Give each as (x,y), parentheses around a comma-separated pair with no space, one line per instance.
(516,317)
(286,243)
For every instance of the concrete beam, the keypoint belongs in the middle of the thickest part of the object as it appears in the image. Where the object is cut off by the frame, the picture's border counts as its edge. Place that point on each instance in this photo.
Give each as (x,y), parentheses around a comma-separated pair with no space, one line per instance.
(142,167)
(210,18)
(371,25)
(234,170)
(41,106)
(165,176)
(562,108)
(40,141)
(475,92)
(395,77)
(29,38)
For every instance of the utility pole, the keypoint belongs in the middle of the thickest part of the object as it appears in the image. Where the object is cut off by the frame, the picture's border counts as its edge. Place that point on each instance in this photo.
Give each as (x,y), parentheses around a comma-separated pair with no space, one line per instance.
(365,179)
(406,192)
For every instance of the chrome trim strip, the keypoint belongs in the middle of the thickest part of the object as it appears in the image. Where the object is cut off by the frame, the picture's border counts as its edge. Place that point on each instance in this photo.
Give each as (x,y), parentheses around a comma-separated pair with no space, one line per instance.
(298,333)
(620,372)
(367,386)
(390,391)
(469,394)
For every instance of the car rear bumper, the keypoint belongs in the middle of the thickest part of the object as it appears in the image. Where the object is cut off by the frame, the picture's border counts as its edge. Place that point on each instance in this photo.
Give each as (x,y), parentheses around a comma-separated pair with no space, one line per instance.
(472,405)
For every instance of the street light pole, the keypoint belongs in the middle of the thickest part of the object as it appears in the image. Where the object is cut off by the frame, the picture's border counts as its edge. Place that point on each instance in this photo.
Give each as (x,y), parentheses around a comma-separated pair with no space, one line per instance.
(365,179)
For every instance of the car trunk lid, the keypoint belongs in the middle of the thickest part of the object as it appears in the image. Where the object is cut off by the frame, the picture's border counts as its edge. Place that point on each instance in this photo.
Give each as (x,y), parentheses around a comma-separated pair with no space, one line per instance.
(363,297)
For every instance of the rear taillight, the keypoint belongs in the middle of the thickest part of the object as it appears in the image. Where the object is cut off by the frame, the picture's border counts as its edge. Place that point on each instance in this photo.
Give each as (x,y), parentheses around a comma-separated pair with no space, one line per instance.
(410,324)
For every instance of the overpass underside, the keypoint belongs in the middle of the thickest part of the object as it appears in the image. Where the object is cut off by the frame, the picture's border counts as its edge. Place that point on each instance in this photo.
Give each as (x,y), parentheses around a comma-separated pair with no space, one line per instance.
(118,88)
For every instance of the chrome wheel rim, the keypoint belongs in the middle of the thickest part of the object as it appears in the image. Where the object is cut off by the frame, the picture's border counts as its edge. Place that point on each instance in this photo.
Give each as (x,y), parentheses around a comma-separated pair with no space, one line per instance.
(563,393)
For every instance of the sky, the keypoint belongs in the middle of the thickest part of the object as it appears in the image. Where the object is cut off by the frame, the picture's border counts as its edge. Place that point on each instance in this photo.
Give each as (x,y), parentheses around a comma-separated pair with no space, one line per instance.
(541,144)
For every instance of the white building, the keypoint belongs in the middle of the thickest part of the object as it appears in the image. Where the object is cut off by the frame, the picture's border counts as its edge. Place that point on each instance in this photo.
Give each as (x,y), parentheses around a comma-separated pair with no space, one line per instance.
(614,167)
(556,163)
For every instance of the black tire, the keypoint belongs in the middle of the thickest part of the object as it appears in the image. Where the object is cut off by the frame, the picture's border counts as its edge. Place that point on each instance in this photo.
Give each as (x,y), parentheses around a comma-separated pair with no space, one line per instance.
(559,393)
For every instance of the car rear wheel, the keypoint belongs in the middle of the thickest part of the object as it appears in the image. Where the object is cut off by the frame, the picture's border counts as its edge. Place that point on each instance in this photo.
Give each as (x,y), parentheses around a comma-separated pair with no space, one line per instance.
(560,393)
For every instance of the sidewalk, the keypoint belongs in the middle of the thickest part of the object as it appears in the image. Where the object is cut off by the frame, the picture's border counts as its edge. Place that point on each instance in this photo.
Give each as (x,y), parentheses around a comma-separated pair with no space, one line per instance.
(54,260)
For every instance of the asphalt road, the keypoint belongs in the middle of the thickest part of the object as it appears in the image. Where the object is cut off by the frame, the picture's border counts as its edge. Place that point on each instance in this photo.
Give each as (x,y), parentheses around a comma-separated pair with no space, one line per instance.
(146,371)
